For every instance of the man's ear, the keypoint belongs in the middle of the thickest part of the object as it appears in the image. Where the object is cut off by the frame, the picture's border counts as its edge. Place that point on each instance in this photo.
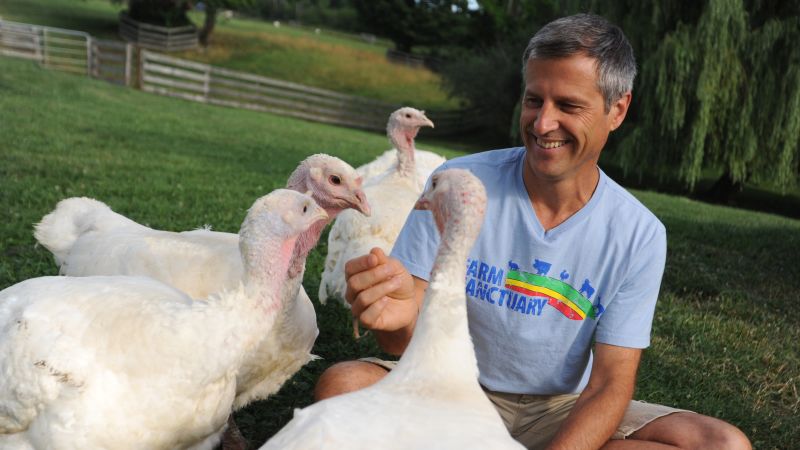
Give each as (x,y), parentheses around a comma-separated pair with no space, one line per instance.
(618,110)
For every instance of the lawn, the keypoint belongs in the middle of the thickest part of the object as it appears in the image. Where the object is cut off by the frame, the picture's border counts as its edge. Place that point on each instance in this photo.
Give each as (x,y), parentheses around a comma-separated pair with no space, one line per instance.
(724,337)
(330,60)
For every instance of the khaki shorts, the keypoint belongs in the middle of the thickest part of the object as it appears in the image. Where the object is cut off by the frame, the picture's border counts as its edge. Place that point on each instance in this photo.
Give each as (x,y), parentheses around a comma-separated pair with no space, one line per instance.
(533,420)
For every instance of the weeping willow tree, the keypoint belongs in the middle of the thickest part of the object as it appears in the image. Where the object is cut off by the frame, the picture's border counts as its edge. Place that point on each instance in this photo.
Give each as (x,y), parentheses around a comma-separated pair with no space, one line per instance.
(718,91)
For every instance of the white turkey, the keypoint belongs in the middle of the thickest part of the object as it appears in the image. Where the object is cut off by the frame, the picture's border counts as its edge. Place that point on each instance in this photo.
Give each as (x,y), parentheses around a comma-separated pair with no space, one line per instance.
(129,362)
(432,399)
(392,194)
(87,238)
(402,127)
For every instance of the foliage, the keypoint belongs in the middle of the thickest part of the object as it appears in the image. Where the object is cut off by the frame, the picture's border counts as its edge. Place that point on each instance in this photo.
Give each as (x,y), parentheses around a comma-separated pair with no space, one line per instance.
(719,90)
(211,8)
(726,305)
(488,72)
(167,13)
(410,23)
(332,14)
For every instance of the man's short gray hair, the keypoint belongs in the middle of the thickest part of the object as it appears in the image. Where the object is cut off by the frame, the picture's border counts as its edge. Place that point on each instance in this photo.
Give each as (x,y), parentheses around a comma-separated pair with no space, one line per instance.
(592,36)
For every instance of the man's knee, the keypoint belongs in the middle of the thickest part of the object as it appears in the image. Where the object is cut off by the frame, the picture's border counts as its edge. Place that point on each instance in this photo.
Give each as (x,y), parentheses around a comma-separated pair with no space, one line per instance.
(347,376)
(726,436)
(694,431)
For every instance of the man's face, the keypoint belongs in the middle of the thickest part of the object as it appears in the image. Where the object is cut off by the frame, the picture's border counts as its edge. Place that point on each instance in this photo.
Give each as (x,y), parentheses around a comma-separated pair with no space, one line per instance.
(563,123)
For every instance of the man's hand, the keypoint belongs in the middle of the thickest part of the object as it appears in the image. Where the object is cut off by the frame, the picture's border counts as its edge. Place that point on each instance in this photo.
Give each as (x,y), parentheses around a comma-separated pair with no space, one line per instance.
(381,292)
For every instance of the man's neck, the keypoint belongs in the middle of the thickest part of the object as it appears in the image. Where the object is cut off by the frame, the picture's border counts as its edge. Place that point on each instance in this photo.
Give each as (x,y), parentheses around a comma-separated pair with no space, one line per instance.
(555,201)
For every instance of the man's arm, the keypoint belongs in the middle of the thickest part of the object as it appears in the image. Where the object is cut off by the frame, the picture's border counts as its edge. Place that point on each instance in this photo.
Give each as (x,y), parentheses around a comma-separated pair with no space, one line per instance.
(601,406)
(385,298)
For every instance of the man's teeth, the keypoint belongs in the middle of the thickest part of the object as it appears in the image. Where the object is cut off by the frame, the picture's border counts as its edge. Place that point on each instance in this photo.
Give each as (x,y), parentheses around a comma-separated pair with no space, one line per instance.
(549,144)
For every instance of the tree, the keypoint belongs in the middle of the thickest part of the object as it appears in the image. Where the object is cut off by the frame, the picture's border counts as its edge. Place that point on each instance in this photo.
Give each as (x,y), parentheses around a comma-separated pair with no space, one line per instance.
(212,7)
(719,89)
(488,72)
(409,22)
(166,13)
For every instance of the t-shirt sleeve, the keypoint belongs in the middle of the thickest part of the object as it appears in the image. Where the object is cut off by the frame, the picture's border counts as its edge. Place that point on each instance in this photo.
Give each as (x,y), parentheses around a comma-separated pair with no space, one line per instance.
(628,318)
(417,243)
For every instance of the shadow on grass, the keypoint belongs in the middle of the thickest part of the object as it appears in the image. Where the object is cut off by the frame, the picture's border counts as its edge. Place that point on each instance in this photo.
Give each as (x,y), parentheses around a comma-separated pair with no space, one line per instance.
(752,198)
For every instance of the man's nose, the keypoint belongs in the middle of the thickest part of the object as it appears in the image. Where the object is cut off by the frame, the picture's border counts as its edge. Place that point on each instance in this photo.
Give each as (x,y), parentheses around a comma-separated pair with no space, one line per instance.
(546,120)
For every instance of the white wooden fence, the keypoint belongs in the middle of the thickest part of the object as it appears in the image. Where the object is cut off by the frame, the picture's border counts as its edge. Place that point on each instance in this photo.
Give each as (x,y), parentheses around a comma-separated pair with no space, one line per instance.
(67,50)
(157,38)
(204,83)
(122,63)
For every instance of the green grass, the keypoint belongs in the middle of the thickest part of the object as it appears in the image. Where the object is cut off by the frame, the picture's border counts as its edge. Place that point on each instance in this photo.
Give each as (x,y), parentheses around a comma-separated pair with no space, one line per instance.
(96,17)
(724,338)
(329,60)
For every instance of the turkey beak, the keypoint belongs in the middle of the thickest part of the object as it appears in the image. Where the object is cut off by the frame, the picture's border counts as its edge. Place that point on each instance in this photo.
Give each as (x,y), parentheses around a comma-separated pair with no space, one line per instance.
(427,122)
(320,214)
(360,203)
(423,204)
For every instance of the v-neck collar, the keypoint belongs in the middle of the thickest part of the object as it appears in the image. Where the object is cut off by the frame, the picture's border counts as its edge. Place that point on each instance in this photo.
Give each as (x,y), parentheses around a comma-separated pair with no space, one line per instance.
(574,219)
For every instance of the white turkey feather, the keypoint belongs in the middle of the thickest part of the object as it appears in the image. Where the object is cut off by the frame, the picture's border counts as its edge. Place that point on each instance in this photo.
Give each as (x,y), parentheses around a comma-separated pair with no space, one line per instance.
(392,194)
(432,398)
(129,362)
(202,262)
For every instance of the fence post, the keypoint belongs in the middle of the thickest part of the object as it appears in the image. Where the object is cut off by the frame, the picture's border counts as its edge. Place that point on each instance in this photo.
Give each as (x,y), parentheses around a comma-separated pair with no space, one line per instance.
(128,51)
(44,47)
(140,76)
(89,57)
(37,41)
(207,83)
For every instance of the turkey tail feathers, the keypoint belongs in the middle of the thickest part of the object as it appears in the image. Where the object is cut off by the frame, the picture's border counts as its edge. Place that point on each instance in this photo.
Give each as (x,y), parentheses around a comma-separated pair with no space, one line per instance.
(72,217)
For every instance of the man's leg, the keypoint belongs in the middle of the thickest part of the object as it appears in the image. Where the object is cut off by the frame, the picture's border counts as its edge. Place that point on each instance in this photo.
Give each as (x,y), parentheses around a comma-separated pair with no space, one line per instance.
(684,430)
(347,376)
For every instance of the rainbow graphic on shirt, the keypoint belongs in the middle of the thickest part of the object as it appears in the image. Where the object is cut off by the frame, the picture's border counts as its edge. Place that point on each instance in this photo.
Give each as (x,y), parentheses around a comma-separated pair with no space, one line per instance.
(559,294)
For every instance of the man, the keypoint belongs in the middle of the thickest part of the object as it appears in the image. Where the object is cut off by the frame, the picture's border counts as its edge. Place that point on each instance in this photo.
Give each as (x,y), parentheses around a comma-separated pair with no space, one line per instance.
(567,262)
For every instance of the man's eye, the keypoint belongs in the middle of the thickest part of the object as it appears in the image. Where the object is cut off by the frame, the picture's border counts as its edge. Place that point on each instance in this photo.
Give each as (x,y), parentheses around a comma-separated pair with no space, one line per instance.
(533,102)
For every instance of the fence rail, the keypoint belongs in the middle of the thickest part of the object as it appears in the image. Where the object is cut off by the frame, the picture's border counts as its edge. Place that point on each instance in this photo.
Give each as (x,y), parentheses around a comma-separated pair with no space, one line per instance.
(175,77)
(157,38)
(127,65)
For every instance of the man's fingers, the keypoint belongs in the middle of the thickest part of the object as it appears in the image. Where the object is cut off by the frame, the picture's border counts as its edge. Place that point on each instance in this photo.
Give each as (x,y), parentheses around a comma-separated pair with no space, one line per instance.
(379,255)
(368,296)
(364,280)
(371,316)
(359,264)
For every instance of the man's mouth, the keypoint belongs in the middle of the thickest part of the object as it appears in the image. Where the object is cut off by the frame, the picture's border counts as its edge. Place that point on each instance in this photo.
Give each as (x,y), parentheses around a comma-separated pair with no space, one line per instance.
(550,143)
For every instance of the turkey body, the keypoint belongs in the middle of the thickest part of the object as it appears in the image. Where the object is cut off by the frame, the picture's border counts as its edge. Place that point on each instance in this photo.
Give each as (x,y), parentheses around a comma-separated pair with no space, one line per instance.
(432,398)
(87,386)
(392,191)
(353,235)
(426,162)
(87,238)
(131,362)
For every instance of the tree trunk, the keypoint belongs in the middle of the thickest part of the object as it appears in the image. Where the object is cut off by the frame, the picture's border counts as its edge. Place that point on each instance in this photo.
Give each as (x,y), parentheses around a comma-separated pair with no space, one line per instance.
(723,190)
(208,25)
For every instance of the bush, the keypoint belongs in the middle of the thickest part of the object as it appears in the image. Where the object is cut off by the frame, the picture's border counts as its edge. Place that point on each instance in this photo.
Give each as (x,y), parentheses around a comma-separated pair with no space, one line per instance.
(165,13)
(490,80)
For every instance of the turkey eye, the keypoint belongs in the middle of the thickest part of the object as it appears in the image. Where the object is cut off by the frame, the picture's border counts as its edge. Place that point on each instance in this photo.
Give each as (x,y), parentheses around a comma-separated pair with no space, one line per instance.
(305,208)
(336,180)
(408,116)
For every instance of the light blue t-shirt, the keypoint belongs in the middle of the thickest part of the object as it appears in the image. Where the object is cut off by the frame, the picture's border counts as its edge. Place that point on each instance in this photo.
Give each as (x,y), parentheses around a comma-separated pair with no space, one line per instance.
(537,299)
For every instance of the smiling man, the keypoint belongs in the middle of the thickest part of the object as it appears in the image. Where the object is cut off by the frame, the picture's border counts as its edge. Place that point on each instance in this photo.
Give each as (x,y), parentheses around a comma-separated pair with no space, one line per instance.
(563,280)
